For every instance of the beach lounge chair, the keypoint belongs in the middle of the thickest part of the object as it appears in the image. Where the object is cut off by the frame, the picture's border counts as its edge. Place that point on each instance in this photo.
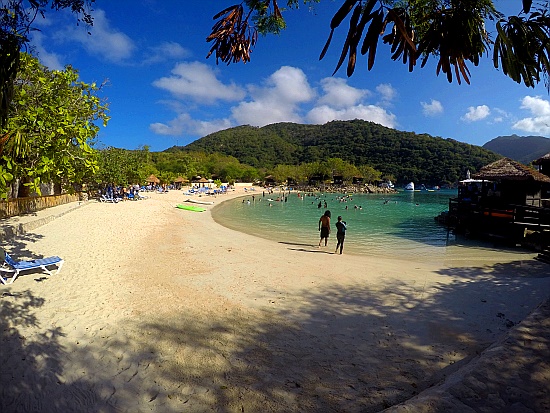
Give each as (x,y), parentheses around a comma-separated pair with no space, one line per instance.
(105,198)
(11,266)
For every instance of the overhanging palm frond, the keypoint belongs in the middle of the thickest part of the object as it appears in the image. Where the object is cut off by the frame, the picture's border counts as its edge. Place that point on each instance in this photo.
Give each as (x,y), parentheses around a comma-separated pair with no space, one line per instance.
(522,48)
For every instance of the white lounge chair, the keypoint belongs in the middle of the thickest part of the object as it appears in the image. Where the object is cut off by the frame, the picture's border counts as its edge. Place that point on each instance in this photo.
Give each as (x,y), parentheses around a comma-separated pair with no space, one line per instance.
(11,266)
(105,198)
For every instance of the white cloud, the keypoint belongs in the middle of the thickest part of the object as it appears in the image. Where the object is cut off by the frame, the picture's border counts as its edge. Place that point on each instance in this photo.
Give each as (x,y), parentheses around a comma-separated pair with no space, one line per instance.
(387,93)
(477,113)
(283,97)
(501,115)
(166,51)
(198,82)
(338,94)
(277,101)
(104,40)
(433,108)
(50,60)
(344,102)
(539,121)
(536,105)
(185,124)
(324,114)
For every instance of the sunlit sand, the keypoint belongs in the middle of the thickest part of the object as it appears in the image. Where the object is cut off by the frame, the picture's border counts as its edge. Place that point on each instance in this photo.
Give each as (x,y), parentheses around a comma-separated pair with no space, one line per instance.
(162,309)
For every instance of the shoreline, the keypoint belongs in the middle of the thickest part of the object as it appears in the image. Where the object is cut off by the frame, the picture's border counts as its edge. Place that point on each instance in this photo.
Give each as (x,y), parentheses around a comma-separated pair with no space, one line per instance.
(158,308)
(463,249)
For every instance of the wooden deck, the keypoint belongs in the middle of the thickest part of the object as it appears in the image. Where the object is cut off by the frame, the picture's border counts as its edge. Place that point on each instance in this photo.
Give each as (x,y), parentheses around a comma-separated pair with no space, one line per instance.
(508,222)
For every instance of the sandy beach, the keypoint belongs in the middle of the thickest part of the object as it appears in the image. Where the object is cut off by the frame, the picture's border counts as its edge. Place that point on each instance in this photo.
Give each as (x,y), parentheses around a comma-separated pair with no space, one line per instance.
(164,310)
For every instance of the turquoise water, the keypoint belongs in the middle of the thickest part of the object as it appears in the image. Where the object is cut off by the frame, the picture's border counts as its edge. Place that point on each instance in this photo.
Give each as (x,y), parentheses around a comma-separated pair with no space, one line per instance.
(382,224)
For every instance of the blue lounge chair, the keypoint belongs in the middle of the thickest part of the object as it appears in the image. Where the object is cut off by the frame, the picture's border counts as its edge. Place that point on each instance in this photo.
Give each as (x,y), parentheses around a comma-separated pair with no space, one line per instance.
(11,266)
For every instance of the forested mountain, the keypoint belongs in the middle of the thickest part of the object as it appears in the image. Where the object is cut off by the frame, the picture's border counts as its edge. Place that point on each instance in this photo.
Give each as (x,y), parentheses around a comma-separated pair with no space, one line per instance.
(406,156)
(524,149)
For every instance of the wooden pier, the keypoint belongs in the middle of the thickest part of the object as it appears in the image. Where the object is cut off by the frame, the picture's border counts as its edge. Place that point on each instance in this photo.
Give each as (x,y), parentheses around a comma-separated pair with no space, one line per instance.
(518,225)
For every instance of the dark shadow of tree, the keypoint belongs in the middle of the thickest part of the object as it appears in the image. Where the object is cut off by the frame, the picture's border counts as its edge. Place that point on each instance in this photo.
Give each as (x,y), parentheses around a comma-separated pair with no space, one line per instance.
(333,355)
(31,375)
(340,350)
(18,246)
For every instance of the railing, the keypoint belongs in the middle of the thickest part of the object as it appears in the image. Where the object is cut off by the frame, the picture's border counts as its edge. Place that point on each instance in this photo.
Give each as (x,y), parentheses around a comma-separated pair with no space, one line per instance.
(27,205)
(532,217)
(506,220)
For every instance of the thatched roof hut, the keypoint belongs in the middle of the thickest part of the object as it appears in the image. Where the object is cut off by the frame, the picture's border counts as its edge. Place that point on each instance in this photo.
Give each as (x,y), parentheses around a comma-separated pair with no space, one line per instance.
(543,164)
(201,181)
(179,181)
(542,159)
(153,179)
(513,183)
(507,169)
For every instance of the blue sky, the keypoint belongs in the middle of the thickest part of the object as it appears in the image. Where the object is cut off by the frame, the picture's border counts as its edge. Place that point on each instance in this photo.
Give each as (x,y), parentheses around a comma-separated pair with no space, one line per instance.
(162,91)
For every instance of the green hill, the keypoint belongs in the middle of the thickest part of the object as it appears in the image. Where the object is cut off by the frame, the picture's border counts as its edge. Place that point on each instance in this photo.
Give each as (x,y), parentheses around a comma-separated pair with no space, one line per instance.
(406,156)
(524,149)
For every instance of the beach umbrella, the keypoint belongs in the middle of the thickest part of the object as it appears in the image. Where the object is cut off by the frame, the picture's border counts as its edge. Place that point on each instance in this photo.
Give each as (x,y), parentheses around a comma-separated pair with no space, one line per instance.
(153,179)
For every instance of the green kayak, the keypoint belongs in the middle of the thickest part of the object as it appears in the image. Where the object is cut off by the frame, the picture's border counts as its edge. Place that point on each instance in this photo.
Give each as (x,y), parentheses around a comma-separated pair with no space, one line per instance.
(191,208)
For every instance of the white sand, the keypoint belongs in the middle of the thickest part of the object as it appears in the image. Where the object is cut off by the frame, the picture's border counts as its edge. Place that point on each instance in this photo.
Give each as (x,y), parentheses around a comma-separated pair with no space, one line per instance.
(161,309)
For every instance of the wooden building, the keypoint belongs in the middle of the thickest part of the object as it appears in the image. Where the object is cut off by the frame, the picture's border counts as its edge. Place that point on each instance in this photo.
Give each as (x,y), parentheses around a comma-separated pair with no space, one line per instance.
(505,199)
(543,164)
(200,182)
(269,180)
(179,181)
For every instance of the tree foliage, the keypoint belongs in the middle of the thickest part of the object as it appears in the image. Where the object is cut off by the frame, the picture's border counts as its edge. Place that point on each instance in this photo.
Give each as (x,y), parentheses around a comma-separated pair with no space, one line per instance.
(405,156)
(174,163)
(121,166)
(17,18)
(50,133)
(451,31)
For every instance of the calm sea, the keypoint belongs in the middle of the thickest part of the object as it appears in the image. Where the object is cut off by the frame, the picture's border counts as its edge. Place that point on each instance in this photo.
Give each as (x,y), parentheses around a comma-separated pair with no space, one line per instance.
(378,224)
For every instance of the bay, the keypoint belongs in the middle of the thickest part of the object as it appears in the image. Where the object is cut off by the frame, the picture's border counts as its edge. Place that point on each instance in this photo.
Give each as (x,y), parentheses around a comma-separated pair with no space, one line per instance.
(401,224)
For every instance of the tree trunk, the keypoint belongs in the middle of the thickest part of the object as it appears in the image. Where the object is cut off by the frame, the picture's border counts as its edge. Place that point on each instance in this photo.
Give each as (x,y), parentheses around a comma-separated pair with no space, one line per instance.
(24,190)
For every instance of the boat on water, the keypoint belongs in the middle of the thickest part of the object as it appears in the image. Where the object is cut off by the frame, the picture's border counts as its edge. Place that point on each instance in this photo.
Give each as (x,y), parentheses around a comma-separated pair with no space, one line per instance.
(409,186)
(199,201)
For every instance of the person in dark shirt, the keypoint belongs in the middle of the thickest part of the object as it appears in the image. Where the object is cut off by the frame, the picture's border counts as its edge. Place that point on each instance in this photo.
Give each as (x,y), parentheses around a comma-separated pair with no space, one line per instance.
(341,228)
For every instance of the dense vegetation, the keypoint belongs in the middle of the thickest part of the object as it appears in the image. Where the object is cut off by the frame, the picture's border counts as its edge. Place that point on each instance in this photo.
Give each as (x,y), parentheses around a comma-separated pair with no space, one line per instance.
(54,118)
(405,156)
(524,149)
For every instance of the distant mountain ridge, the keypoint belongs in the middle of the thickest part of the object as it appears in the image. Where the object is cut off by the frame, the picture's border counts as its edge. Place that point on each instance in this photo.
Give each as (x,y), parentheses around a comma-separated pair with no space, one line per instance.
(405,156)
(524,149)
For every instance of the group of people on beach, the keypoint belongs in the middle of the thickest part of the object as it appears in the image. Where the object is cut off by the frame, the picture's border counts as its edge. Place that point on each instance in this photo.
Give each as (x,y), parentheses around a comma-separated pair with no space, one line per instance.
(324,227)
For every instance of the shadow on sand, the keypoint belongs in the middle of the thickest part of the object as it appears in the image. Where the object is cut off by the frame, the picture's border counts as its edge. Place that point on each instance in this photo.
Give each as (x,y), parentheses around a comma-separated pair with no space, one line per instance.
(344,349)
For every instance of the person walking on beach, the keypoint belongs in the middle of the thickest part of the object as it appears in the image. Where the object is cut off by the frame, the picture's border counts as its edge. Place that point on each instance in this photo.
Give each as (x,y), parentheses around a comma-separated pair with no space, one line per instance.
(324,227)
(341,228)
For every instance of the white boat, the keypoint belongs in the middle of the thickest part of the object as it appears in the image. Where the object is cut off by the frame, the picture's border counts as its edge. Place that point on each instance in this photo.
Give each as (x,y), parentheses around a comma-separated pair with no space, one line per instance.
(199,201)
(387,184)
(409,186)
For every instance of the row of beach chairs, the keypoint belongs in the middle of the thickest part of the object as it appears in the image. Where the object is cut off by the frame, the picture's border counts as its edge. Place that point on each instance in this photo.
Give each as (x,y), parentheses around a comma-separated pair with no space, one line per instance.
(114,200)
